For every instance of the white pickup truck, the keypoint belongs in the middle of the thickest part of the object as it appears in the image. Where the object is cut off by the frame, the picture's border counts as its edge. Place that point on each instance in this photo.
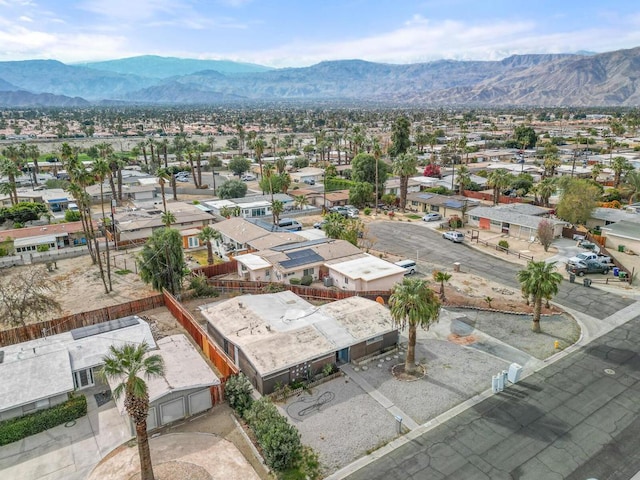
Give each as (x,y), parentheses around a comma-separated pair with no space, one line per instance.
(584,256)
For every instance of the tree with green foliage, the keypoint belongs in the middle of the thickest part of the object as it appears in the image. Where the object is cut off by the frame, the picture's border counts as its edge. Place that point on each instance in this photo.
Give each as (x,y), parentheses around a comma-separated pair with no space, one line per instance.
(363,169)
(539,281)
(232,189)
(206,235)
(498,180)
(620,167)
(441,277)
(339,227)
(412,303)
(238,391)
(578,199)
(129,365)
(400,137)
(277,207)
(240,165)
(162,262)
(404,166)
(360,194)
(23,212)
(632,184)
(525,137)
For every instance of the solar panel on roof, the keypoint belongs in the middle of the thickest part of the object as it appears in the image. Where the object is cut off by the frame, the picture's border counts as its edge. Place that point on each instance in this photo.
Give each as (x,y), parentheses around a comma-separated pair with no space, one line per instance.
(425,196)
(90,330)
(453,204)
(301,257)
(291,246)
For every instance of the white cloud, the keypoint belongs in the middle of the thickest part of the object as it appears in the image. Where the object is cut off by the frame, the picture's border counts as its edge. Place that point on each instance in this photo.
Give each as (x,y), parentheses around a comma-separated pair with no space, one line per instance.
(133,11)
(24,18)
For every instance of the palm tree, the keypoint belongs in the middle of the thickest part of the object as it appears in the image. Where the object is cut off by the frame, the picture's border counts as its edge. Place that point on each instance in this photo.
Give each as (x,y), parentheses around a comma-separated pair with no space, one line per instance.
(211,141)
(596,170)
(413,303)
(404,166)
(101,171)
(128,364)
(300,201)
(464,178)
(258,146)
(545,189)
(539,281)
(441,277)
(11,171)
(168,218)
(619,165)
(498,179)
(206,235)
(163,176)
(632,181)
(277,207)
(33,152)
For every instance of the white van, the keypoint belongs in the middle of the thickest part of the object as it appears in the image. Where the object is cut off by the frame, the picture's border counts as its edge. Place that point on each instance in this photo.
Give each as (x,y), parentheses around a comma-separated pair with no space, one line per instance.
(409,266)
(290,224)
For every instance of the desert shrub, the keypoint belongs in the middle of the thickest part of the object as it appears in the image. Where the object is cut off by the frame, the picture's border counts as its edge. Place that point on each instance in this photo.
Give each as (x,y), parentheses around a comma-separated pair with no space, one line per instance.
(16,429)
(200,287)
(294,281)
(279,441)
(72,215)
(306,280)
(503,244)
(273,288)
(455,222)
(238,393)
(367,211)
(43,248)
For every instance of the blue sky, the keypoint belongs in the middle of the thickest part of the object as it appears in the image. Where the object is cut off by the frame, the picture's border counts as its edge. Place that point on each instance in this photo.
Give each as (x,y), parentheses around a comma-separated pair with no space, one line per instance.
(284,33)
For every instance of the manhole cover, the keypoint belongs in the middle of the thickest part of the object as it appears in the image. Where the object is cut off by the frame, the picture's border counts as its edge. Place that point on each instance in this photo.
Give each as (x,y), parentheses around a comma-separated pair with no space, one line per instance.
(609,371)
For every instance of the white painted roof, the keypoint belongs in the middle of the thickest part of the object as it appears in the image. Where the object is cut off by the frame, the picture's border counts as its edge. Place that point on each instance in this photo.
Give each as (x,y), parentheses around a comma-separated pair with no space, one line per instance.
(367,268)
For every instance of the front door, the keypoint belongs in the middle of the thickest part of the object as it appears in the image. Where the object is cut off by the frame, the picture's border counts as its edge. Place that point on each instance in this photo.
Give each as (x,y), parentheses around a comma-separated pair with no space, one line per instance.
(342,356)
(83,378)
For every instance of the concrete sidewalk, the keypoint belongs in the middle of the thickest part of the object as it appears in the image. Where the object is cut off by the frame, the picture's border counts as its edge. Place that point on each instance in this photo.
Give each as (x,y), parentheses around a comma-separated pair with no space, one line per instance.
(66,452)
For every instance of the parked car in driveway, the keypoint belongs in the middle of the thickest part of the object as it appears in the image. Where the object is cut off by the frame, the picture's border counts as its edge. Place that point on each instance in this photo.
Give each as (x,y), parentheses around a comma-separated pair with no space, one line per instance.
(344,211)
(319,225)
(454,236)
(431,217)
(247,177)
(588,266)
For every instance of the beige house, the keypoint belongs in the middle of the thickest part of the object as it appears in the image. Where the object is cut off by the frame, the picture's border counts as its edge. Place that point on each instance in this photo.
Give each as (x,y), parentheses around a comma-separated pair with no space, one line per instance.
(517,220)
(445,205)
(294,260)
(278,338)
(364,273)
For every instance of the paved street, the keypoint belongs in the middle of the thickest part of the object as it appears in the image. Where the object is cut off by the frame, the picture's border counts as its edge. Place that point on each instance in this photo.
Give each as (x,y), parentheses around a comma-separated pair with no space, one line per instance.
(575,419)
(407,239)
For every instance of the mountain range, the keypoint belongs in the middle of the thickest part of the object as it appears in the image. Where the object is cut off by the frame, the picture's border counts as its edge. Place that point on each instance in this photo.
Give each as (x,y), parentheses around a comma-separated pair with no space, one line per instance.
(605,79)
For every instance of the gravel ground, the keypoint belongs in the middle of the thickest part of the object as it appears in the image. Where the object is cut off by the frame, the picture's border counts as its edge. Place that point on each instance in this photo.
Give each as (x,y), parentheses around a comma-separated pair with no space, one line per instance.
(343,429)
(454,373)
(516,330)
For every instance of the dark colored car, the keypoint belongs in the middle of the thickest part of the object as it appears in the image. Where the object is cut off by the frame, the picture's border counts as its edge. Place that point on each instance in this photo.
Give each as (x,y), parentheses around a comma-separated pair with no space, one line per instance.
(588,266)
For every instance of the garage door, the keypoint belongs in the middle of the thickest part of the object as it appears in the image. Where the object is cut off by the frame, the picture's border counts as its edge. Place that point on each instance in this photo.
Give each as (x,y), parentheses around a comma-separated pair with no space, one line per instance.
(172,411)
(151,419)
(199,401)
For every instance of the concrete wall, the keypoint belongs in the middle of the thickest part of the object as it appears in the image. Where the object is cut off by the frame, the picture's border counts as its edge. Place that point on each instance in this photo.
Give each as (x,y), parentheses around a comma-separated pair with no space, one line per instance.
(365,348)
(31,408)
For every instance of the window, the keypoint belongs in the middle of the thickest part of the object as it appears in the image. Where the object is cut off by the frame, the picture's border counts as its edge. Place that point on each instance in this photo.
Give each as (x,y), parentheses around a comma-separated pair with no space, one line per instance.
(434,208)
(374,340)
(267,274)
(307,271)
(194,242)
(346,280)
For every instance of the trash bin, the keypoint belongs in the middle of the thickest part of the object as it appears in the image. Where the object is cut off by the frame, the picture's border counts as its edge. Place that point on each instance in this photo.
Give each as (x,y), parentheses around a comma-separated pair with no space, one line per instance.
(572,278)
(616,270)
(621,248)
(622,275)
(586,282)
(456,266)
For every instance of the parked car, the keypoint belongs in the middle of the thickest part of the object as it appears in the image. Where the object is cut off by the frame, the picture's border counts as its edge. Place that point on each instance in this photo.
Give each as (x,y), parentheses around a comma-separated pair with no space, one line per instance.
(454,236)
(586,256)
(431,217)
(290,224)
(309,181)
(247,177)
(319,225)
(409,266)
(344,211)
(588,266)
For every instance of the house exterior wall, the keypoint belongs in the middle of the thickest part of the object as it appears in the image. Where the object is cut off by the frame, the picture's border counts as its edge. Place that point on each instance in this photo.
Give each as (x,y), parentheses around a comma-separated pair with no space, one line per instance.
(34,407)
(184,394)
(613,242)
(359,285)
(374,345)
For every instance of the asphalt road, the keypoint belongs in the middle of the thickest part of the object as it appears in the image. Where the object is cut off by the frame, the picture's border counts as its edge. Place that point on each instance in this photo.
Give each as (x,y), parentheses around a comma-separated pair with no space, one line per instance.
(576,419)
(410,240)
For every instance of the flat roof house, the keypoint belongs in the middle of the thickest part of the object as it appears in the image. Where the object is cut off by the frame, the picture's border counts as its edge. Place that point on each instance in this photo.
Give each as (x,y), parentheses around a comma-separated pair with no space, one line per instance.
(278,338)
(517,220)
(364,273)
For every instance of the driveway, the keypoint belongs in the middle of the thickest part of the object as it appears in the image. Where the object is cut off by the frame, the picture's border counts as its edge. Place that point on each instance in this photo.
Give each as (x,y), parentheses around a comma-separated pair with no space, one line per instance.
(66,452)
(410,240)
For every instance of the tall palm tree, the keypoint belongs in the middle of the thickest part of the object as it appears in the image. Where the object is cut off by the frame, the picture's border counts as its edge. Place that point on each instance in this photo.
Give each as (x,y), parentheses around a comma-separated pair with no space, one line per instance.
(464,178)
(498,179)
(206,235)
(258,146)
(545,189)
(33,153)
(404,166)
(539,281)
(11,171)
(101,171)
(413,303)
(632,182)
(619,165)
(128,365)
(211,141)
(163,176)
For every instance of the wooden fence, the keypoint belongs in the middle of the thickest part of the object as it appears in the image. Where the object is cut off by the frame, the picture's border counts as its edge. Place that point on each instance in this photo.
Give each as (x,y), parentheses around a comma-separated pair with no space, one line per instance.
(69,322)
(310,293)
(488,197)
(503,249)
(219,269)
(223,363)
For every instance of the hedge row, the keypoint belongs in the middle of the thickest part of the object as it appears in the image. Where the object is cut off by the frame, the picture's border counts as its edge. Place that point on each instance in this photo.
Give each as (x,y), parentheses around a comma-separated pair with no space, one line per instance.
(18,428)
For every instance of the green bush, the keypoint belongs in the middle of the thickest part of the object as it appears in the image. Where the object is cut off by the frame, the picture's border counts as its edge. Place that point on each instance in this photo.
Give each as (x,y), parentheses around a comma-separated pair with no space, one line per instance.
(306,280)
(201,288)
(367,211)
(43,248)
(16,429)
(503,244)
(294,281)
(238,392)
(279,441)
(72,215)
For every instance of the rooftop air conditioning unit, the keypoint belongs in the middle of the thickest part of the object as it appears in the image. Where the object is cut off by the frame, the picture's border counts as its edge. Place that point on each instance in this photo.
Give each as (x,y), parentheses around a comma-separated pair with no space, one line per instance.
(328,281)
